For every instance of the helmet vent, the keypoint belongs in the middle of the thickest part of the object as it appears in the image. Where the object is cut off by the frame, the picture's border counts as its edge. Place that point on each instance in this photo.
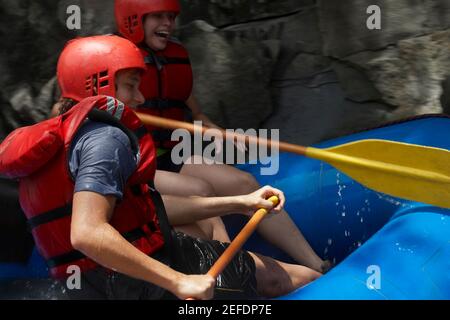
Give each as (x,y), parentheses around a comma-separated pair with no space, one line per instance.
(96,81)
(131,22)
(94,84)
(103,78)
(88,84)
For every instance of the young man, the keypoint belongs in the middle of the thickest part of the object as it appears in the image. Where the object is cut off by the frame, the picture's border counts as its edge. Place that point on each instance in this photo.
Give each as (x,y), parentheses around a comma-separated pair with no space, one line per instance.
(84,186)
(167,88)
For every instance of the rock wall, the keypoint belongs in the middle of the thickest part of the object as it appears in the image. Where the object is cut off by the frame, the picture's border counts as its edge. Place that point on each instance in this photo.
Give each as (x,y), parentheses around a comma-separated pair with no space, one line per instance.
(309,68)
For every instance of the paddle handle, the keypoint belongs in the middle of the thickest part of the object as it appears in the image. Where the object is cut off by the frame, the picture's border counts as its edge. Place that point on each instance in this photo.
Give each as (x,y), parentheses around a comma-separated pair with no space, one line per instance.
(239,241)
(175,124)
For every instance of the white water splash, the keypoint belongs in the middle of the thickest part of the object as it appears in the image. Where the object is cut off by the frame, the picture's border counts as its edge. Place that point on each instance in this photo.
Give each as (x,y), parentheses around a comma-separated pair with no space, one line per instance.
(400,248)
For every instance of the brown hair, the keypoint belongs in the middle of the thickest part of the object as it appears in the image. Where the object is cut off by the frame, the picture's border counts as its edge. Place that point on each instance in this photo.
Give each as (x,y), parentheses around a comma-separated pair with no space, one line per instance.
(65,104)
(62,106)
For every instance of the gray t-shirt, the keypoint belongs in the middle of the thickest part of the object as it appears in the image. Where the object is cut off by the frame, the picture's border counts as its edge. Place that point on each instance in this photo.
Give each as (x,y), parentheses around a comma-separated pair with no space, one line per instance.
(101,159)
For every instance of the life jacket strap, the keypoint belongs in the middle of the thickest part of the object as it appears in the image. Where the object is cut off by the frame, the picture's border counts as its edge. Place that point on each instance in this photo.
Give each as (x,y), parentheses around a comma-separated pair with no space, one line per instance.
(161,104)
(75,255)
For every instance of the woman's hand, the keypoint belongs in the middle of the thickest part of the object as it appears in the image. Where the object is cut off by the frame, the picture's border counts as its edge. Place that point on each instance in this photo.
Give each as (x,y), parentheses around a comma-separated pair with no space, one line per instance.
(258,199)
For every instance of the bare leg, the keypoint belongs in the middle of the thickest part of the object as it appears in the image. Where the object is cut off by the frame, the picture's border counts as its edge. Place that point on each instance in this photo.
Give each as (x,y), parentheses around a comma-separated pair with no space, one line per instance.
(275,278)
(176,184)
(227,181)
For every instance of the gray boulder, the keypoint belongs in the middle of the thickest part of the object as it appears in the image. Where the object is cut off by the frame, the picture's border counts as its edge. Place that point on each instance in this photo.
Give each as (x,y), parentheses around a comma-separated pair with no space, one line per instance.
(311,68)
(221,13)
(231,75)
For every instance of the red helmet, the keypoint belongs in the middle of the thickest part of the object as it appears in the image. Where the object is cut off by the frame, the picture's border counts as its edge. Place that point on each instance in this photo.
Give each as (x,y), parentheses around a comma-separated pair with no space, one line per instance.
(87,66)
(129,15)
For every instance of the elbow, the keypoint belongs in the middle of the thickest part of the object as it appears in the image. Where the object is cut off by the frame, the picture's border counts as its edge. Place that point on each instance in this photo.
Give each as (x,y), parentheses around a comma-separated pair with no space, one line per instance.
(79,238)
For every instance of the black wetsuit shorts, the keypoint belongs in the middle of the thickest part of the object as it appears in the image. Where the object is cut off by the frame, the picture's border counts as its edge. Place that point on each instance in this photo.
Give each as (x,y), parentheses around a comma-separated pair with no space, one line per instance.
(188,255)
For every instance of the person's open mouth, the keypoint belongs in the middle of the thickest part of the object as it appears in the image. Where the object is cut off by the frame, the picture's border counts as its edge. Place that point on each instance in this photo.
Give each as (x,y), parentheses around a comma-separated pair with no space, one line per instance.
(162,34)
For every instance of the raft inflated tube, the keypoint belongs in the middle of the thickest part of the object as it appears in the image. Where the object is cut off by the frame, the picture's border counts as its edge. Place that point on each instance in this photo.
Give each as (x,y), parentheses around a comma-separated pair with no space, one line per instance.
(383,247)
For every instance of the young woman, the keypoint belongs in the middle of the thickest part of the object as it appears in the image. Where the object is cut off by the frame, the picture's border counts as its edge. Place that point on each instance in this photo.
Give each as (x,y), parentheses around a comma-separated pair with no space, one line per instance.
(84,188)
(167,89)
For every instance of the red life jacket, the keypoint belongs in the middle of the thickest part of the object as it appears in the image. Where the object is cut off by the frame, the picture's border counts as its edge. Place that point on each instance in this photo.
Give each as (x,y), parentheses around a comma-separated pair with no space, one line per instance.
(39,156)
(166,85)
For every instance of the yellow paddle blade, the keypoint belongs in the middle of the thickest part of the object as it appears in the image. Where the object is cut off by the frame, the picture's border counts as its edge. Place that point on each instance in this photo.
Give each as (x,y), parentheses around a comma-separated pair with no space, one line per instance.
(402,170)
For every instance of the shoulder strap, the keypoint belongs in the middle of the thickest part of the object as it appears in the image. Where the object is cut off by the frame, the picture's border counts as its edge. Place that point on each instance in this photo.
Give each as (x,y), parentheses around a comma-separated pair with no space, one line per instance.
(164,224)
(104,116)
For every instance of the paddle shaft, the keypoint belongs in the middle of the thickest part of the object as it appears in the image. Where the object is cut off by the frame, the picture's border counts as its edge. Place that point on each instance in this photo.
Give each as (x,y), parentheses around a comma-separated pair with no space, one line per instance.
(175,124)
(239,241)
(310,152)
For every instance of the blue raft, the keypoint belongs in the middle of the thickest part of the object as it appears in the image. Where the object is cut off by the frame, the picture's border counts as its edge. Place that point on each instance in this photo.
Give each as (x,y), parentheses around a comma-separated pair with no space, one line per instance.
(383,247)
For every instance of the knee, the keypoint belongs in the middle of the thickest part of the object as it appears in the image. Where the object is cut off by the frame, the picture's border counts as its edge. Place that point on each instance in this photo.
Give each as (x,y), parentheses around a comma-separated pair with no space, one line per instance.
(273,281)
(246,183)
(202,188)
(286,280)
